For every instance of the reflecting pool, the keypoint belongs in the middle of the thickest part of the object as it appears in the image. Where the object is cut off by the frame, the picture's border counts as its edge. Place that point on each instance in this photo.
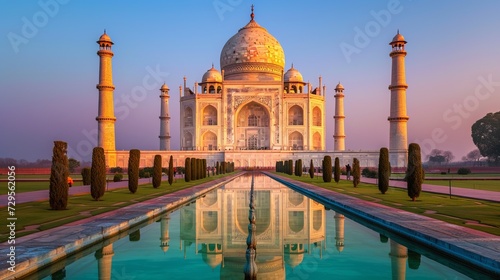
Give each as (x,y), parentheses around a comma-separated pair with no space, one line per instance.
(297,238)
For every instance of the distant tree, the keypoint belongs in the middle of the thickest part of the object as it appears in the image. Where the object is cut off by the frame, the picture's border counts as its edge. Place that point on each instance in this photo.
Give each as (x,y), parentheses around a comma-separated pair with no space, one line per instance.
(98,174)
(311,169)
(299,170)
(290,165)
(86,175)
(204,168)
(356,172)
(486,136)
(448,156)
(384,170)
(473,156)
(157,171)
(133,170)
(217,168)
(327,169)
(414,170)
(187,167)
(223,167)
(58,189)
(171,171)
(73,164)
(336,170)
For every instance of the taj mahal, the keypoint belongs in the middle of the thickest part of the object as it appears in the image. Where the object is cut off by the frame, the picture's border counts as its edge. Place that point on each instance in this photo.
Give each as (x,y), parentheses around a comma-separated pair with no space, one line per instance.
(252,112)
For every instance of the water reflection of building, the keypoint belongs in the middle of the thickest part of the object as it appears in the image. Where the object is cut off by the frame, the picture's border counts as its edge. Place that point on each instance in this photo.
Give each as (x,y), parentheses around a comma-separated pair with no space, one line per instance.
(104,258)
(287,224)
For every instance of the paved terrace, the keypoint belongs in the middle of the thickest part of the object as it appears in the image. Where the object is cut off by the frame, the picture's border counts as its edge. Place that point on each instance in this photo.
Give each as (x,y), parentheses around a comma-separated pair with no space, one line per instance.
(463,244)
(37,250)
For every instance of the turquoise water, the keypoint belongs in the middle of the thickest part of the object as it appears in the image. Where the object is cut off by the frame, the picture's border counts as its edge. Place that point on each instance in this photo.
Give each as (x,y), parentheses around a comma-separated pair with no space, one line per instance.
(297,238)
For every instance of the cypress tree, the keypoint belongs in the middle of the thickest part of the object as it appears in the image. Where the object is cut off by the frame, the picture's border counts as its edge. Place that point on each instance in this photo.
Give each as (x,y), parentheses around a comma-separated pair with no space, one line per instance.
(86,176)
(157,171)
(356,172)
(290,165)
(98,174)
(194,174)
(384,170)
(336,170)
(414,171)
(217,167)
(311,169)
(205,171)
(187,170)
(59,172)
(299,170)
(133,170)
(327,169)
(171,170)
(223,167)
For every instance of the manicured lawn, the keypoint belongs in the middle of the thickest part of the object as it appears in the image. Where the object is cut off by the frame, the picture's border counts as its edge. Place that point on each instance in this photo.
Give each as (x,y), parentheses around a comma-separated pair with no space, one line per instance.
(476,214)
(487,185)
(35,216)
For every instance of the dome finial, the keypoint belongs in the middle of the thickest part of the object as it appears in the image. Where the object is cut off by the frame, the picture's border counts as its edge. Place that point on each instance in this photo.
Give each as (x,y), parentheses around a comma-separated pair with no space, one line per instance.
(252,14)
(292,64)
(398,30)
(104,30)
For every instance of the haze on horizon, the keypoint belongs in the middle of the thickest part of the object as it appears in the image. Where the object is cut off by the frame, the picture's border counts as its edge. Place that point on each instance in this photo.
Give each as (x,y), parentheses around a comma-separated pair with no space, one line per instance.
(50,66)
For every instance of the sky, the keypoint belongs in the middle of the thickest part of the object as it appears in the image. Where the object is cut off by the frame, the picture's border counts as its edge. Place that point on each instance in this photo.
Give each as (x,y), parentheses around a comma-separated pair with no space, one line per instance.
(49,66)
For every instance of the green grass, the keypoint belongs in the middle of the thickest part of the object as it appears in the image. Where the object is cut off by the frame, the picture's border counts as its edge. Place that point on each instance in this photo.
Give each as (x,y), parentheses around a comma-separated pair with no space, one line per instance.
(487,185)
(36,216)
(477,214)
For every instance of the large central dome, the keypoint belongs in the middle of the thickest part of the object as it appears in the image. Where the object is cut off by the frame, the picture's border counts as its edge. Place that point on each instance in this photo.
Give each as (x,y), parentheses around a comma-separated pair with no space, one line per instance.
(252,54)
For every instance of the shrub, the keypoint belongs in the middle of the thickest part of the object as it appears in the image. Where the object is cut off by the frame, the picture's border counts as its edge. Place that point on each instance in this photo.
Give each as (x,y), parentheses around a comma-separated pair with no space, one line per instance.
(86,175)
(171,170)
(463,171)
(414,175)
(116,170)
(383,170)
(157,171)
(356,172)
(59,172)
(187,167)
(327,169)
(133,170)
(98,174)
(336,170)
(117,177)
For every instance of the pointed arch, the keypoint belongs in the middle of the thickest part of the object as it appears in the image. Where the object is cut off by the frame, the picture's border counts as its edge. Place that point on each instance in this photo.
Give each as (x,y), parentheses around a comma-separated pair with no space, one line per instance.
(188,117)
(296,141)
(209,115)
(295,115)
(317,141)
(209,141)
(317,116)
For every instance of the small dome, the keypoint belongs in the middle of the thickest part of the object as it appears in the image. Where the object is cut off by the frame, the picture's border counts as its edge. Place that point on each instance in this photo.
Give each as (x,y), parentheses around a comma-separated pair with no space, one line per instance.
(339,87)
(398,38)
(212,75)
(105,38)
(294,259)
(293,75)
(164,87)
(164,248)
(213,260)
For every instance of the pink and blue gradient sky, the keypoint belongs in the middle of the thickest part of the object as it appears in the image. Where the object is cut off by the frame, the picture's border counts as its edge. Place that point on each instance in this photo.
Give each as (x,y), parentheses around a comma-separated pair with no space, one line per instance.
(49,66)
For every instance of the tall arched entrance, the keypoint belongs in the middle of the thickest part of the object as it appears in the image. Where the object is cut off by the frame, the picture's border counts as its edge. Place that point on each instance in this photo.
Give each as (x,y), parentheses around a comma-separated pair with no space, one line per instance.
(252,127)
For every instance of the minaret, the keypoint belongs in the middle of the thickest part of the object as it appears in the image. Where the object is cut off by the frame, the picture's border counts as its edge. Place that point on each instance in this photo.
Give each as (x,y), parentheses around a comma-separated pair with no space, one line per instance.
(164,119)
(339,231)
(104,258)
(398,139)
(165,238)
(339,135)
(399,255)
(106,115)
